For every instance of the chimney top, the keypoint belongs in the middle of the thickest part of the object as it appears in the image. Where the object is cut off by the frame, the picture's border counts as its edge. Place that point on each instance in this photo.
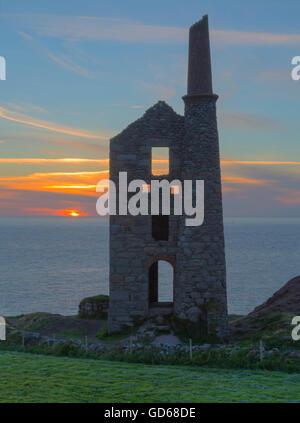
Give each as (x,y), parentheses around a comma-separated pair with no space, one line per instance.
(199,66)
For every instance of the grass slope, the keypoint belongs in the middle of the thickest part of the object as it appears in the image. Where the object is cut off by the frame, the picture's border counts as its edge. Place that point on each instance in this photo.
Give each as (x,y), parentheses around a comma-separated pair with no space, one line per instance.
(36,378)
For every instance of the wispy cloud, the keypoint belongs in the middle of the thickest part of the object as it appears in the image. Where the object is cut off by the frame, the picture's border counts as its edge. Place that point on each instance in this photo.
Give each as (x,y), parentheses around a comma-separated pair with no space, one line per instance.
(137,107)
(71,187)
(247,121)
(27,107)
(106,161)
(241,180)
(67,62)
(79,147)
(289,197)
(50,126)
(64,60)
(101,28)
(232,37)
(83,182)
(157,91)
(259,162)
(48,161)
(271,75)
(97,28)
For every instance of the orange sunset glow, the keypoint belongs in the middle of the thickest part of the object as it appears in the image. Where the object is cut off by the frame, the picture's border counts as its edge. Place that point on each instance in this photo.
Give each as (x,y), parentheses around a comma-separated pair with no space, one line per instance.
(67,186)
(72,213)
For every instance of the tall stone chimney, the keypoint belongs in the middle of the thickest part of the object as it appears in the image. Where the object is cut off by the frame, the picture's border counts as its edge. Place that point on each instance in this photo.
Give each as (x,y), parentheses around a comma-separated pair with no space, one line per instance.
(201,286)
(199,67)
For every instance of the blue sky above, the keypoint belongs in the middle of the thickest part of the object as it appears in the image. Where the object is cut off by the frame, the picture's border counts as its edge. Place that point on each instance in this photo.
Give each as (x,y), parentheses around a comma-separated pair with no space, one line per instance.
(79,72)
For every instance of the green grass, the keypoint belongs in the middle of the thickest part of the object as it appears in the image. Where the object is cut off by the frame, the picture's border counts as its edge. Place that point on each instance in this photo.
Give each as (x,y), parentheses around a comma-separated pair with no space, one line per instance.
(37,378)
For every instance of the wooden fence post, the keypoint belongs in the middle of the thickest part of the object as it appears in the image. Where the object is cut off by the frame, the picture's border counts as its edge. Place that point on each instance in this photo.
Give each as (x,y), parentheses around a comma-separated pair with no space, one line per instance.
(261,350)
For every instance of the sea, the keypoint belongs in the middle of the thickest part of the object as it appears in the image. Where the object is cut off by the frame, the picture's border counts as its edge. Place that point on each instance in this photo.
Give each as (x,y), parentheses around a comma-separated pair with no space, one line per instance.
(50,263)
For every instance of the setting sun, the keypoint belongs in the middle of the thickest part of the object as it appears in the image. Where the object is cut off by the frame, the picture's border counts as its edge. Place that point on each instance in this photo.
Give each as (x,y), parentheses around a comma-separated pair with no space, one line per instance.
(72,213)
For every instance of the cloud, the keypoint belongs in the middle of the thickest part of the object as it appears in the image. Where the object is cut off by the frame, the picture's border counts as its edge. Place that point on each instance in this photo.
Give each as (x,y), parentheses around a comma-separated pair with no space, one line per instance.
(259,162)
(48,161)
(247,121)
(74,160)
(54,174)
(100,149)
(226,189)
(241,180)
(27,107)
(137,107)
(250,188)
(271,188)
(97,28)
(83,182)
(289,197)
(100,28)
(37,203)
(71,187)
(49,126)
(64,60)
(157,91)
(239,38)
(274,76)
(67,62)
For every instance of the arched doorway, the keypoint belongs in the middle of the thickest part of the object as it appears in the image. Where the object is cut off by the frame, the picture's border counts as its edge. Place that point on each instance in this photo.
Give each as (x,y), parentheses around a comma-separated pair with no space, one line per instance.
(161,283)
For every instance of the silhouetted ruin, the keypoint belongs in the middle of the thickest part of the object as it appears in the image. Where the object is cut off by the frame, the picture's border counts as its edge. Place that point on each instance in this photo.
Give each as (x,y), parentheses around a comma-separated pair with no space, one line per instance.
(138,243)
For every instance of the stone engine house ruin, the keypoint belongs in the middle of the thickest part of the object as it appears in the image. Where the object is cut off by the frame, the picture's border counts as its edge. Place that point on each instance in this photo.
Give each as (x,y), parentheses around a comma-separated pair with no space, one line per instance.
(138,243)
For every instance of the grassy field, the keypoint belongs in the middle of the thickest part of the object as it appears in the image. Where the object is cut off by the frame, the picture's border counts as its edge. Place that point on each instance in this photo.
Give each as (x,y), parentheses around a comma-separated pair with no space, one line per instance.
(37,378)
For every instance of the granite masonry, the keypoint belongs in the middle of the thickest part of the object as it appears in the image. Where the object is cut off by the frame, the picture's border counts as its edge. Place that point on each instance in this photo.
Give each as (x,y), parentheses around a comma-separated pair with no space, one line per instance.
(94,307)
(137,243)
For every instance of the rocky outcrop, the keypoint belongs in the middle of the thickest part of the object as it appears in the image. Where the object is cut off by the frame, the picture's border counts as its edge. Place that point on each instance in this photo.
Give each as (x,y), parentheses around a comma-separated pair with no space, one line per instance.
(94,307)
(285,300)
(273,317)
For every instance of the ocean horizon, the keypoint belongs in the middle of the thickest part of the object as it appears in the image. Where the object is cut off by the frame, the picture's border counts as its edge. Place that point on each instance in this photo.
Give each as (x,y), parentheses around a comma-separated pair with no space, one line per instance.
(49,264)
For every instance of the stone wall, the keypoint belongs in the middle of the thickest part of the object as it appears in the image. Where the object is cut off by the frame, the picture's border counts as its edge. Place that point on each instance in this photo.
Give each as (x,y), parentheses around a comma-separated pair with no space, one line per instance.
(132,248)
(94,307)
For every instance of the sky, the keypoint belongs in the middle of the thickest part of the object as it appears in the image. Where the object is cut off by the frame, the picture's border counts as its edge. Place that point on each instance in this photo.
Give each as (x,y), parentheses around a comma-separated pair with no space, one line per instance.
(79,72)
